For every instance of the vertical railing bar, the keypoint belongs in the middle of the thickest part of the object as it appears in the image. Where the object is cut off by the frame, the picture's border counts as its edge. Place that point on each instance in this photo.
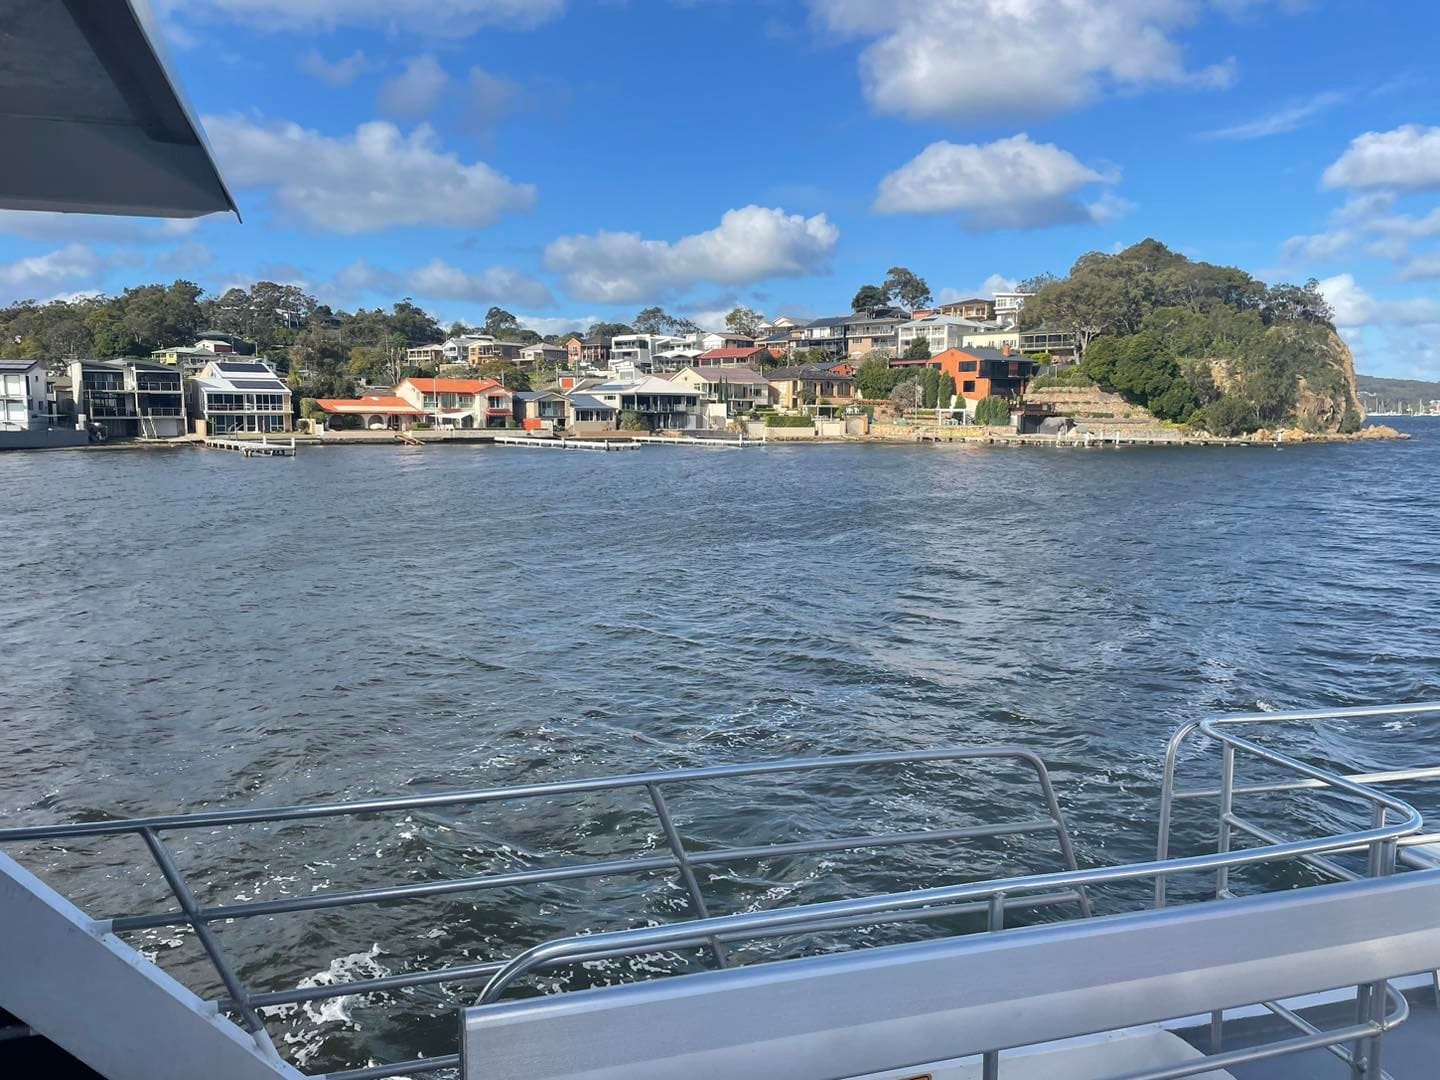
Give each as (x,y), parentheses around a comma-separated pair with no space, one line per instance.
(1067,850)
(233,986)
(682,862)
(995,922)
(1370,999)
(1167,802)
(1222,873)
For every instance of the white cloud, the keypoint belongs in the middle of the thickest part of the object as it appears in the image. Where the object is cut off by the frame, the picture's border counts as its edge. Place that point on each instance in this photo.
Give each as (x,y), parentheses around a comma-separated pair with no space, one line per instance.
(377,178)
(27,278)
(490,96)
(1355,306)
(92,228)
(431,17)
(1406,158)
(965,59)
(184,258)
(987,288)
(1009,183)
(438,280)
(558,324)
(416,90)
(1421,268)
(1318,247)
(750,244)
(1280,121)
(341,72)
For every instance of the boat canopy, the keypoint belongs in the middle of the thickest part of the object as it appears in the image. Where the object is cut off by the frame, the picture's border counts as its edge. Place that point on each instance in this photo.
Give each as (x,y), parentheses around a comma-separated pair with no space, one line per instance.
(93,118)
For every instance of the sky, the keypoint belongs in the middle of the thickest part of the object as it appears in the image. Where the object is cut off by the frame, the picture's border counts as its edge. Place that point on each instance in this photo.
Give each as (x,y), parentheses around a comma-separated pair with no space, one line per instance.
(578,160)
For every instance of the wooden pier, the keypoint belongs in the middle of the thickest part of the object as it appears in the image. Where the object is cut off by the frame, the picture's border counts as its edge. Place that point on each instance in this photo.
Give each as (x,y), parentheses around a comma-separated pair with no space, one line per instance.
(567,444)
(263,448)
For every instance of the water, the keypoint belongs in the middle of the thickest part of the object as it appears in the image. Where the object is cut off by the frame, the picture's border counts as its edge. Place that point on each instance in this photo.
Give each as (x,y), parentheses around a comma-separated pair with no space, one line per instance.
(187,629)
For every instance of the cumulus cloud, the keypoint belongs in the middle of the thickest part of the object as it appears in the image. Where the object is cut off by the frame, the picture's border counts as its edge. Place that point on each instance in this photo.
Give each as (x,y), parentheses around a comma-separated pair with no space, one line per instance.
(1007,184)
(490,97)
(1318,247)
(1280,120)
(434,17)
(959,59)
(987,288)
(1407,158)
(415,91)
(341,72)
(439,280)
(376,178)
(43,274)
(184,258)
(749,244)
(1421,268)
(1355,306)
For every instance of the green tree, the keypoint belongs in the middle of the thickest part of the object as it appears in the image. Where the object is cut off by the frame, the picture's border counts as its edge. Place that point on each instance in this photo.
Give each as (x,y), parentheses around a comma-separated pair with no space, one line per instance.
(500,323)
(504,372)
(907,394)
(609,329)
(875,378)
(906,288)
(743,320)
(992,412)
(945,390)
(869,297)
(630,420)
(919,349)
(930,388)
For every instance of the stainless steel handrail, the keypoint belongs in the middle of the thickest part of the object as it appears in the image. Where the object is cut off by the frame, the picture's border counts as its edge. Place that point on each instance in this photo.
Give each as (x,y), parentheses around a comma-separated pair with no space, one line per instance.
(680,858)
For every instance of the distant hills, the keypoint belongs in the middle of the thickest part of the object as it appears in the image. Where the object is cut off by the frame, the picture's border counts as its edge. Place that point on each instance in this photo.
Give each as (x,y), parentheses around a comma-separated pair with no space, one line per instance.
(1391,393)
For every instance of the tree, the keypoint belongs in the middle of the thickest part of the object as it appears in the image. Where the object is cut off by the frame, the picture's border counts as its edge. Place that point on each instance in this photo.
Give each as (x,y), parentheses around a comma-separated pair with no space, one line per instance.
(875,378)
(744,321)
(945,391)
(992,412)
(869,297)
(1035,282)
(457,329)
(907,394)
(609,329)
(906,288)
(919,349)
(499,322)
(630,420)
(310,409)
(505,373)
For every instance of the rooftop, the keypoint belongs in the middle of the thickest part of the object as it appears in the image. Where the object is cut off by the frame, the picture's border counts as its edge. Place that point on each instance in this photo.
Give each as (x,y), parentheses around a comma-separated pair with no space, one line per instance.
(808,371)
(369,403)
(728,374)
(455,386)
(585,401)
(731,354)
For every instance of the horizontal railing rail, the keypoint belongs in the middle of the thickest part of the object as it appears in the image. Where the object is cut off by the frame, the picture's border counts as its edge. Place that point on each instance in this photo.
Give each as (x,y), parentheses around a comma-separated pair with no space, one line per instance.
(676,856)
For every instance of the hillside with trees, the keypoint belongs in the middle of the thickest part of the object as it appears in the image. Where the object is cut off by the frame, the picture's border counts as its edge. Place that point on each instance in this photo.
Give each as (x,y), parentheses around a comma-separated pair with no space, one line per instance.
(1205,345)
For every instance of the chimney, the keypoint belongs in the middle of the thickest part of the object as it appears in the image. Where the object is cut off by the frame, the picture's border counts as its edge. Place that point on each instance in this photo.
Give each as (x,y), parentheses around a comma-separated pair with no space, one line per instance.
(1004,350)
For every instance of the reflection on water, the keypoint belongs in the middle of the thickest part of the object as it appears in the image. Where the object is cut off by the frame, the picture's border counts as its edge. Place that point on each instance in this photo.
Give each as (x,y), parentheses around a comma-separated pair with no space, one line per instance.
(184,630)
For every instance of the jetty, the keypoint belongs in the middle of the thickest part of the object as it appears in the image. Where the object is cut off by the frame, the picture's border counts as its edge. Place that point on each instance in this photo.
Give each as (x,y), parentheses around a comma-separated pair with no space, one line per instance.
(691,440)
(263,448)
(567,444)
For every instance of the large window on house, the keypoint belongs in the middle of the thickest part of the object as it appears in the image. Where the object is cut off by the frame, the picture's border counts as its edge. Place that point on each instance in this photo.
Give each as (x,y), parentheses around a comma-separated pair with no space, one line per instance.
(968,386)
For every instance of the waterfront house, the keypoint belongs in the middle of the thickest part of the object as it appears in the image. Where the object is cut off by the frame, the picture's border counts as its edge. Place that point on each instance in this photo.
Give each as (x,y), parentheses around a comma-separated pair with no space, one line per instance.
(235,395)
(740,389)
(940,332)
(981,373)
(793,387)
(636,352)
(725,340)
(541,410)
(23,404)
(374,412)
(873,331)
(128,398)
(1060,344)
(482,350)
(744,357)
(1008,305)
(542,356)
(450,351)
(976,308)
(663,405)
(827,334)
(591,416)
(459,403)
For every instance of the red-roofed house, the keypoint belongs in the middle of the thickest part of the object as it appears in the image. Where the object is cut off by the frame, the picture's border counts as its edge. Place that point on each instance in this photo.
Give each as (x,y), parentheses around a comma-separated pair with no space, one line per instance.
(376,412)
(729,357)
(459,403)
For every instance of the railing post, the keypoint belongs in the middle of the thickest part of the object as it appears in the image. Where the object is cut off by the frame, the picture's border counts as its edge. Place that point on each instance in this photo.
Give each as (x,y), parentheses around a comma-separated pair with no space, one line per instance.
(1370,999)
(990,1060)
(1222,874)
(687,872)
(233,986)
(1167,803)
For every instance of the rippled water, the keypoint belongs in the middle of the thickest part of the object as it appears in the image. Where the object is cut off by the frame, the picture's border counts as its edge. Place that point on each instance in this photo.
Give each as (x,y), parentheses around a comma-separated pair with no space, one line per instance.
(187,629)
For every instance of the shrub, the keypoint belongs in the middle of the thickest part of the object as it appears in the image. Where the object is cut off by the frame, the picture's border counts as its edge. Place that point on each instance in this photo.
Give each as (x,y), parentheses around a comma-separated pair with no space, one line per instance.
(420,425)
(630,420)
(1230,416)
(992,412)
(782,420)
(510,423)
(310,409)
(1067,376)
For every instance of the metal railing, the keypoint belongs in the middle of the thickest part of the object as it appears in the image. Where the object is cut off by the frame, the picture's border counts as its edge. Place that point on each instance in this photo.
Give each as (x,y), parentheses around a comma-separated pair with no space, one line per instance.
(678,856)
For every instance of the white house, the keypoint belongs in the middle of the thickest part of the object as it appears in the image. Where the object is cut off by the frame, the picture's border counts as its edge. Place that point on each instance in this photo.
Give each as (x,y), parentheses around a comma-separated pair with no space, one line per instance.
(739,389)
(22,395)
(1008,305)
(663,405)
(635,352)
(453,350)
(240,395)
(941,331)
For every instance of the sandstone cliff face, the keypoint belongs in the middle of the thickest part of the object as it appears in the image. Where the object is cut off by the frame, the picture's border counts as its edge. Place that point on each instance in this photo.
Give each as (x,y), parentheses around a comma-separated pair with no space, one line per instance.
(1321,401)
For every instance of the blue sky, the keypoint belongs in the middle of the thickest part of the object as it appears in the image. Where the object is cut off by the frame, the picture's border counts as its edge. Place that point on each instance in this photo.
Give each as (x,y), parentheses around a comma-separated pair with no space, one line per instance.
(572,159)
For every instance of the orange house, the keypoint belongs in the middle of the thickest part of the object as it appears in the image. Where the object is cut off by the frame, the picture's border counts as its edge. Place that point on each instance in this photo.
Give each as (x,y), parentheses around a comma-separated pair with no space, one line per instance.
(981,373)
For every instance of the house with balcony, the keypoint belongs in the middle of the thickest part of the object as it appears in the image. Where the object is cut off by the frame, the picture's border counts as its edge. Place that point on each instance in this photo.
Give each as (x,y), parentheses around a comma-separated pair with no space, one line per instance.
(239,395)
(977,308)
(541,410)
(793,388)
(129,399)
(941,332)
(997,336)
(482,350)
(459,403)
(827,334)
(1008,305)
(873,332)
(190,359)
(23,395)
(725,339)
(450,351)
(589,352)
(663,405)
(1060,344)
(981,373)
(590,415)
(630,353)
(740,389)
(373,412)
(743,357)
(543,356)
